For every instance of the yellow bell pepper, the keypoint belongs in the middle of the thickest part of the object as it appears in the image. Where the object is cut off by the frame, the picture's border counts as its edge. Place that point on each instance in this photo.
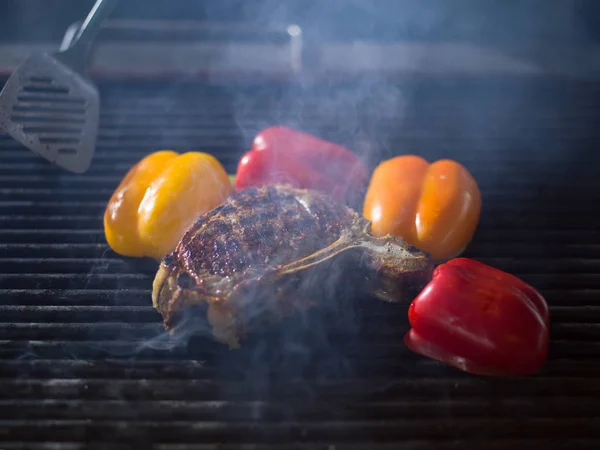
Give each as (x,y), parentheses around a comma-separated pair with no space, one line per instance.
(159,199)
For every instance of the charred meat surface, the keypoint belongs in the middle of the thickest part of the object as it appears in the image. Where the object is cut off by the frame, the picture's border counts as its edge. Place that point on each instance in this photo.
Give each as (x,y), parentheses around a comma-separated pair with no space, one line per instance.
(267,252)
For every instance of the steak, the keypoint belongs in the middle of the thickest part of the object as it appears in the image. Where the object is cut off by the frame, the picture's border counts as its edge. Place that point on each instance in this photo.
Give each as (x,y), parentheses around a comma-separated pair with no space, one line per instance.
(268,252)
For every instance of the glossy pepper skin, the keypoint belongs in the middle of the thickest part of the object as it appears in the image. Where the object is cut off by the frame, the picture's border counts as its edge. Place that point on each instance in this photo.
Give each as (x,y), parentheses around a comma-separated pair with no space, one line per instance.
(160,198)
(481,320)
(283,155)
(434,207)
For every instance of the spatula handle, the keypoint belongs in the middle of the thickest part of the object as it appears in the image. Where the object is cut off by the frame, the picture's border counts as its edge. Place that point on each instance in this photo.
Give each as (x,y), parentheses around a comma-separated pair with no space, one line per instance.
(91,25)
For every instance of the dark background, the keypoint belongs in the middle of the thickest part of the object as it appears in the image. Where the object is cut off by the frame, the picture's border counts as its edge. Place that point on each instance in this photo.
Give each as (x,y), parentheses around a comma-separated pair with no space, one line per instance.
(487,21)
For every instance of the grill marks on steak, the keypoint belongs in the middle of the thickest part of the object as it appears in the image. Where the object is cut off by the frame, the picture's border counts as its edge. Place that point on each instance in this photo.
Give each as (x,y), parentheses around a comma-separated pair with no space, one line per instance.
(260,228)
(266,251)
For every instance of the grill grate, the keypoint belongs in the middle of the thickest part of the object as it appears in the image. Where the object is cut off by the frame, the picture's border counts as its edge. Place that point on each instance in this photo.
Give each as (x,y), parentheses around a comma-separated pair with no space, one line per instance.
(82,356)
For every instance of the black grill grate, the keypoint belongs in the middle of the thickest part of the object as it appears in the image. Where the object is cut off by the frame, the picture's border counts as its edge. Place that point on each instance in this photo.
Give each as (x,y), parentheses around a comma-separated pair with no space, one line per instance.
(80,358)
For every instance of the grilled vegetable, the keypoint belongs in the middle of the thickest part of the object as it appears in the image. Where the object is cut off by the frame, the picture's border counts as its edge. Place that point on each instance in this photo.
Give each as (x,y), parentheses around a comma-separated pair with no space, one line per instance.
(283,155)
(480,320)
(434,207)
(159,198)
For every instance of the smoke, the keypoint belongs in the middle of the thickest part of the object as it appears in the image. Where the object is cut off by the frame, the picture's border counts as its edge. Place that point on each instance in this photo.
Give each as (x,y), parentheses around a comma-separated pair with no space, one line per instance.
(377,117)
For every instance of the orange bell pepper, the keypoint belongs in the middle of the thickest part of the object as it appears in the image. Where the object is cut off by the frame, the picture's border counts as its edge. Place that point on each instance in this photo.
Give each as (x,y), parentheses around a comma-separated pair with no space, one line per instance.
(434,207)
(159,199)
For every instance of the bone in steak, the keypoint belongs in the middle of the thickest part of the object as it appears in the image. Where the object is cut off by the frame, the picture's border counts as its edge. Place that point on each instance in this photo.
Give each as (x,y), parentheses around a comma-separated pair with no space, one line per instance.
(267,252)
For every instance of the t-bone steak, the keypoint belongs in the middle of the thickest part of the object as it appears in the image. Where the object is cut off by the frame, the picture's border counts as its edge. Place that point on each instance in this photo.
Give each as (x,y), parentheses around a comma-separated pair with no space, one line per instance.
(268,252)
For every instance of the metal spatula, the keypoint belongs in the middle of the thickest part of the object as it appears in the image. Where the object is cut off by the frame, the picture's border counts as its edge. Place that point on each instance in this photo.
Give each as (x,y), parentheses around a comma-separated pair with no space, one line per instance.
(49,104)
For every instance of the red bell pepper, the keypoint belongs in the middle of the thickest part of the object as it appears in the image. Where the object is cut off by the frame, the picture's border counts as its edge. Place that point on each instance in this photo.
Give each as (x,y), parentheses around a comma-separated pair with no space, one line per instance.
(481,320)
(282,155)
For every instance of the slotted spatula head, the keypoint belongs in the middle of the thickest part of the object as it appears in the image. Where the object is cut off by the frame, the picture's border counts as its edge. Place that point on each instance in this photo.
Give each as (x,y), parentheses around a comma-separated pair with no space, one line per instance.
(50,106)
(53,110)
